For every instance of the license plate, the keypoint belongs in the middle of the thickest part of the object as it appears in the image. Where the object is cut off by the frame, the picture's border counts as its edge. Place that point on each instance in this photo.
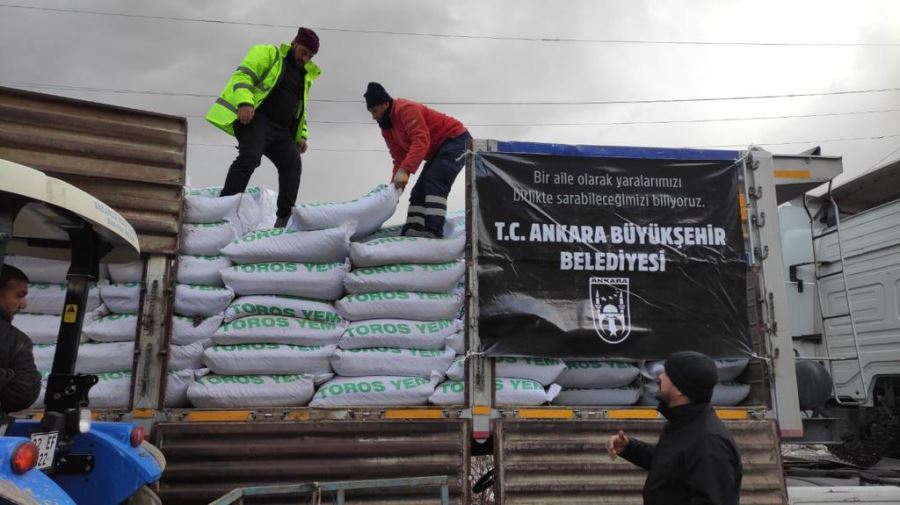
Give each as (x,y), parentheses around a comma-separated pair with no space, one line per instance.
(46,445)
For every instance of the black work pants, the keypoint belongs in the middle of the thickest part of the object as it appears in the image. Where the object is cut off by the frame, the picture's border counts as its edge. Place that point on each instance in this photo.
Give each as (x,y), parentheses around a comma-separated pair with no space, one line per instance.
(428,198)
(262,137)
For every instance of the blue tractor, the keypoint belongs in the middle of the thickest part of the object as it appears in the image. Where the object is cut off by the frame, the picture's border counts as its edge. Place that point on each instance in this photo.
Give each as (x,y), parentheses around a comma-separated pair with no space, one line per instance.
(64,457)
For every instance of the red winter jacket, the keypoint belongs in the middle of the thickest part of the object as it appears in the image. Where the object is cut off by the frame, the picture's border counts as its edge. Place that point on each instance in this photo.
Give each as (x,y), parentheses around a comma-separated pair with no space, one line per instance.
(417,133)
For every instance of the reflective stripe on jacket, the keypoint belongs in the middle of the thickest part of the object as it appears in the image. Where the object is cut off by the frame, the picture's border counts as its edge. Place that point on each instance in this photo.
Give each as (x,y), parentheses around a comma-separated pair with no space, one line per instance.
(251,83)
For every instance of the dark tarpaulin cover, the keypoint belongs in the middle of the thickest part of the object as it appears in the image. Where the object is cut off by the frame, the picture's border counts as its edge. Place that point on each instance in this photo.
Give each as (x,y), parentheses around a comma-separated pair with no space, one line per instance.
(609,257)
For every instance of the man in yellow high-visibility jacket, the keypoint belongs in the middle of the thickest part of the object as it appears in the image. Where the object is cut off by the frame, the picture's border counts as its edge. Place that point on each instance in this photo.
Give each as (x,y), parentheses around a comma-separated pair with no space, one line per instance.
(264,106)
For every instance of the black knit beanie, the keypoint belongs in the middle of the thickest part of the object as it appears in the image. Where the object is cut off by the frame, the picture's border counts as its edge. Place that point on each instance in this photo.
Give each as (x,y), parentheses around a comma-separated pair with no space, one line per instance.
(376,95)
(694,374)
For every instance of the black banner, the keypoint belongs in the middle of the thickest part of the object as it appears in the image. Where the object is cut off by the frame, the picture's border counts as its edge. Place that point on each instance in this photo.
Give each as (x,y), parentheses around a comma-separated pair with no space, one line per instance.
(609,257)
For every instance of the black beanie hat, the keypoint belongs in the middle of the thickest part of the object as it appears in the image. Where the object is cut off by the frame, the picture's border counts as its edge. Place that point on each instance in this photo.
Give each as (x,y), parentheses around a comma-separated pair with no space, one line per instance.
(376,95)
(694,374)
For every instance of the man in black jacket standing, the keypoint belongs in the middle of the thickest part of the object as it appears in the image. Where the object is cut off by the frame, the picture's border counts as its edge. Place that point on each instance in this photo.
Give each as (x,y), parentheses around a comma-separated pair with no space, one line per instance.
(696,460)
(20,382)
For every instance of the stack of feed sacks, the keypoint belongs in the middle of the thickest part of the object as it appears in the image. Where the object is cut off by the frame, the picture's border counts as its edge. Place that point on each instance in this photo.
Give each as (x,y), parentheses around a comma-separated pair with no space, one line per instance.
(599,382)
(41,318)
(110,332)
(404,329)
(279,334)
(107,344)
(728,393)
(210,223)
(121,296)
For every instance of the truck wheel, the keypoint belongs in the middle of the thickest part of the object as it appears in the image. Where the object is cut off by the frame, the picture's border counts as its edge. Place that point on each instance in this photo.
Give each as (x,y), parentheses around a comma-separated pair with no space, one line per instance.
(865,445)
(143,496)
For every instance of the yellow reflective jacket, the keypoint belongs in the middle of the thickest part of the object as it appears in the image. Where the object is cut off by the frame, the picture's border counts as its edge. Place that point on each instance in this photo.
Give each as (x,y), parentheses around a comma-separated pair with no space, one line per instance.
(251,83)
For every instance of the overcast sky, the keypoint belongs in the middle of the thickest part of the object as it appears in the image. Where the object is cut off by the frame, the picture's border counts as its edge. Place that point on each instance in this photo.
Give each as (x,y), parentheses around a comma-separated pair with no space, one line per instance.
(489,52)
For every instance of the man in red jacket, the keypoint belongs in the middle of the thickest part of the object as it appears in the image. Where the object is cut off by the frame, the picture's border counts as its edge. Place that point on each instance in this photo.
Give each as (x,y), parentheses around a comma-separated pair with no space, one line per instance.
(416,133)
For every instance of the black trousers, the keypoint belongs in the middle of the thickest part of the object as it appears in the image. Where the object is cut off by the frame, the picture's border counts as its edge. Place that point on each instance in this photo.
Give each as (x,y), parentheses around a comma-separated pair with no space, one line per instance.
(428,198)
(262,137)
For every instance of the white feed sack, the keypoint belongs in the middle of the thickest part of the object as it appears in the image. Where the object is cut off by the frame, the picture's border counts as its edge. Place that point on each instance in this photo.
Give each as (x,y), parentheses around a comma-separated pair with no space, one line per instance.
(728,369)
(187,330)
(428,277)
(320,281)
(725,394)
(186,357)
(43,355)
(177,384)
(401,333)
(451,392)
(454,225)
(39,403)
(40,328)
(284,244)
(391,361)
(375,391)
(255,209)
(278,330)
(93,357)
(282,305)
(729,394)
(230,391)
(542,370)
(263,358)
(201,270)
(121,298)
(201,207)
(400,250)
(368,212)
(597,374)
(457,342)
(457,369)
(112,391)
(384,231)
(258,208)
(651,370)
(197,300)
(649,394)
(111,328)
(126,272)
(98,357)
(40,269)
(523,392)
(206,239)
(46,298)
(507,392)
(610,397)
(414,305)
